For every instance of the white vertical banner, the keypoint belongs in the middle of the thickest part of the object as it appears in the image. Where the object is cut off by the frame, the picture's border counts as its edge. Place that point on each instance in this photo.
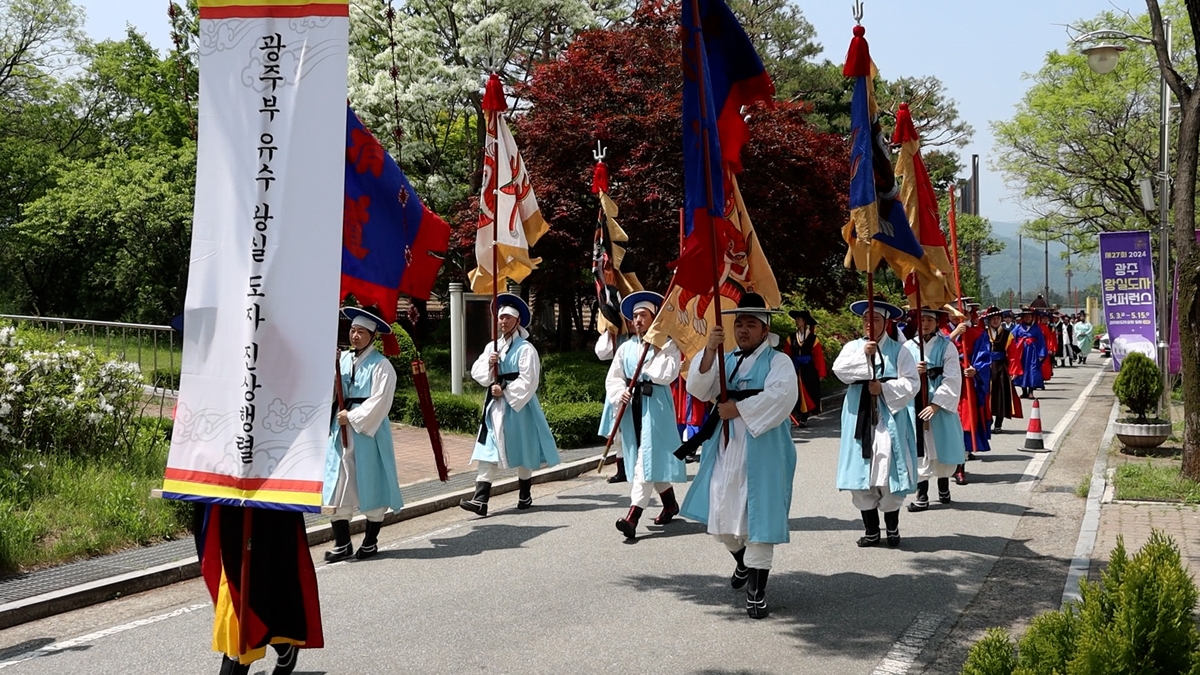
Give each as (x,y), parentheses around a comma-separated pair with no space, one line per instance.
(260,318)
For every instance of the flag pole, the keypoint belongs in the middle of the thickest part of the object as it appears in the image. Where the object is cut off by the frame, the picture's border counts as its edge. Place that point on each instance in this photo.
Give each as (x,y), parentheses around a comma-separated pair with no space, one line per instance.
(633,382)
(952,217)
(712,224)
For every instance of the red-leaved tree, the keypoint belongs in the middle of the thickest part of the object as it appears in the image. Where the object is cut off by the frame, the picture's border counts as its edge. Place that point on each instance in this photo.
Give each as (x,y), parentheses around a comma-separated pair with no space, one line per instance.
(623,87)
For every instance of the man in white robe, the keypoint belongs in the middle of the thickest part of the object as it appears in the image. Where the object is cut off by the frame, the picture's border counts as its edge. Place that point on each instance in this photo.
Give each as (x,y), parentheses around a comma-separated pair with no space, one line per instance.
(743,489)
(877,461)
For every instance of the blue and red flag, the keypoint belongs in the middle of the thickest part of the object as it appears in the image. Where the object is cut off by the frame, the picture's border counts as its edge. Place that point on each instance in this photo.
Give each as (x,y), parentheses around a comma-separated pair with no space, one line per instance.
(876,217)
(391,242)
(721,73)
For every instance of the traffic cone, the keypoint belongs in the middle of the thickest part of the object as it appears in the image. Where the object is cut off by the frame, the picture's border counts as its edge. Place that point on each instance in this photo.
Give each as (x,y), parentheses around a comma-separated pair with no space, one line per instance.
(1033,435)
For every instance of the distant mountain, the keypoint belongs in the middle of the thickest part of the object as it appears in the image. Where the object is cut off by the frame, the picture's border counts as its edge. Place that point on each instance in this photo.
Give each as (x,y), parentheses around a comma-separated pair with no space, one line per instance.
(1003,270)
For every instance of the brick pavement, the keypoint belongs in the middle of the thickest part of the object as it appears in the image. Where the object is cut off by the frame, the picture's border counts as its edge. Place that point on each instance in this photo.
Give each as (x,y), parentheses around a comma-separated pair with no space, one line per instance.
(1134,521)
(414,454)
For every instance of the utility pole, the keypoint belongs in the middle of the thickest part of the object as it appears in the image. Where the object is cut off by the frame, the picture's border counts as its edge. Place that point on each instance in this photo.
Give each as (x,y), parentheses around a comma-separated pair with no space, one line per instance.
(1069,299)
(1047,248)
(1020,268)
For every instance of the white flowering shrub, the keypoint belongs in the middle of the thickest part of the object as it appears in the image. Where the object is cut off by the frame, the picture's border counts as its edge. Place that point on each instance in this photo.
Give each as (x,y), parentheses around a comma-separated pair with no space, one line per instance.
(62,399)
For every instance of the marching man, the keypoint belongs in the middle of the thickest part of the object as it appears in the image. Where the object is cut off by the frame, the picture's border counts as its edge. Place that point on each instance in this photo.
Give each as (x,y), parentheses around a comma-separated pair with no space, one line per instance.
(809,358)
(743,489)
(878,459)
(940,448)
(514,432)
(360,467)
(649,435)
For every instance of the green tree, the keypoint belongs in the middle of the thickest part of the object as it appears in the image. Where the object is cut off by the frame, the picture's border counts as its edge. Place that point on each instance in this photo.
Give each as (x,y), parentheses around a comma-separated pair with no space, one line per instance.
(110,240)
(1081,143)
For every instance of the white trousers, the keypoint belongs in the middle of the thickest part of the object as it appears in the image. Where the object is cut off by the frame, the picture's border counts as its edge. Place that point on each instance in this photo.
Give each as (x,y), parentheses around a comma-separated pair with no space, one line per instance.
(758,556)
(487,472)
(345,513)
(642,490)
(876,498)
(928,466)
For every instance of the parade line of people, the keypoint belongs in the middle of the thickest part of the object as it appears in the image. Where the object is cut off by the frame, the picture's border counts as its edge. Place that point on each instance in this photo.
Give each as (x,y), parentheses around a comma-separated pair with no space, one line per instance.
(925,391)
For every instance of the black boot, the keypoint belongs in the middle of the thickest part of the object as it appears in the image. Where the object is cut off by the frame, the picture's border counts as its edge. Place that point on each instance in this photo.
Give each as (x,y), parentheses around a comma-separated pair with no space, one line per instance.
(341,542)
(233,667)
(740,572)
(370,543)
(944,489)
(999,423)
(670,507)
(871,522)
(478,504)
(619,476)
(960,477)
(892,520)
(286,658)
(524,496)
(922,501)
(756,594)
(628,524)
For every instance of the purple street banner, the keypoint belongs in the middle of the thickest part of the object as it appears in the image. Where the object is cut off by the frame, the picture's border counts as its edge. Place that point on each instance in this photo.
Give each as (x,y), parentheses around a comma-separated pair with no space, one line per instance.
(1127,279)
(1175,360)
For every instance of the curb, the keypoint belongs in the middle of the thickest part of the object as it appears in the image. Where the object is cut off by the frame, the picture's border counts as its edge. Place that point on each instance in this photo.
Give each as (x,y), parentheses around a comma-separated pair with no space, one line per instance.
(1081,561)
(104,590)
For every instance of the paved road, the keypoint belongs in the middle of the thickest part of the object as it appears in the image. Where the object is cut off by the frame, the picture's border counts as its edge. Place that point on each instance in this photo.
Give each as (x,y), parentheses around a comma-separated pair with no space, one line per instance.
(556,589)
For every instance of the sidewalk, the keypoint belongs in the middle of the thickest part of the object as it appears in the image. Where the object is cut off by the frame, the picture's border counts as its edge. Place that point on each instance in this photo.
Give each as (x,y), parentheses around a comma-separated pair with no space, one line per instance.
(33,595)
(1134,521)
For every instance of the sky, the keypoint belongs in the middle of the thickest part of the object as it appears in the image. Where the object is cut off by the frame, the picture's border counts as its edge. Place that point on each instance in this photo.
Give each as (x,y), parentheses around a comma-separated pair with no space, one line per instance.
(979,50)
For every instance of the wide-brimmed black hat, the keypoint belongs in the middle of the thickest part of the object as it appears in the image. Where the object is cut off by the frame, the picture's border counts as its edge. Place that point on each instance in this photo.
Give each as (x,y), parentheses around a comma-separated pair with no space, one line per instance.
(752,304)
(991,311)
(803,314)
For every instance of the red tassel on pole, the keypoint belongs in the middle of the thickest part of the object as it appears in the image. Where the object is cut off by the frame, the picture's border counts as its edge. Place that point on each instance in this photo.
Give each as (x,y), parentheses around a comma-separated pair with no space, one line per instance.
(493,95)
(600,179)
(905,129)
(858,59)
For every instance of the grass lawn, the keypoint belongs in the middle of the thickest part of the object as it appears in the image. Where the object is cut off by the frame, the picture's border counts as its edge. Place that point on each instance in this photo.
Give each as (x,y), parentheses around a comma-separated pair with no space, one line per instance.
(1155,482)
(57,508)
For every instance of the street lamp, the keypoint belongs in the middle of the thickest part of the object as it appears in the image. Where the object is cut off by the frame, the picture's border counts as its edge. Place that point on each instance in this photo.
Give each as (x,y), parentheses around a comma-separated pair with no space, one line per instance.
(1102,59)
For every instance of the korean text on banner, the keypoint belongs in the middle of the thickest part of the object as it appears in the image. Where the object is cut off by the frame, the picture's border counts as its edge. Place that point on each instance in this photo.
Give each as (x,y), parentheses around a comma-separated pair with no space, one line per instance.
(1127,279)
(252,422)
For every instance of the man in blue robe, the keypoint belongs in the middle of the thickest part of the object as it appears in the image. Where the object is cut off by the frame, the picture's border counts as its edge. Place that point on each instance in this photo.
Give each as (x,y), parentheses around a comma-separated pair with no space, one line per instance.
(743,488)
(360,466)
(649,435)
(514,432)
(1029,346)
(877,460)
(940,450)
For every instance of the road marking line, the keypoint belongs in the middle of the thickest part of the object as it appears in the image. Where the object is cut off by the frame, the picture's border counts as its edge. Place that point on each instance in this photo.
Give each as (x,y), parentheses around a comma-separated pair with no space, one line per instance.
(92,637)
(115,630)
(1033,469)
(907,649)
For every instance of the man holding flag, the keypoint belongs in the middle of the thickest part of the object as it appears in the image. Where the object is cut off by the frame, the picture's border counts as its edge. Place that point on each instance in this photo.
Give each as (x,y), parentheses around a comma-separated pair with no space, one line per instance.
(648,432)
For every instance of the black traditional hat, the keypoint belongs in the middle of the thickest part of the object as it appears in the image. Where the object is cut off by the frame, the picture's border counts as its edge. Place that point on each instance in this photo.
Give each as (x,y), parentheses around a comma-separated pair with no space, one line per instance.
(752,304)
(803,314)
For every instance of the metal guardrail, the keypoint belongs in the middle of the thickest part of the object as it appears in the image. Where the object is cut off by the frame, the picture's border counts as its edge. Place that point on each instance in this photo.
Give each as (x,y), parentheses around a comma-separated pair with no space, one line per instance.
(139,343)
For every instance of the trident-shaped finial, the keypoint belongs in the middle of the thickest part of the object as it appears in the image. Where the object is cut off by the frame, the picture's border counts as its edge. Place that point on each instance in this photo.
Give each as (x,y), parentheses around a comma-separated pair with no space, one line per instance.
(858,11)
(600,152)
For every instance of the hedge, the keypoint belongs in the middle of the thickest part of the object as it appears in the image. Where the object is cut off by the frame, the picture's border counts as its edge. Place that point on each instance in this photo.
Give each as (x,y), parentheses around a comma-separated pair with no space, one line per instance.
(574,424)
(456,413)
(572,377)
